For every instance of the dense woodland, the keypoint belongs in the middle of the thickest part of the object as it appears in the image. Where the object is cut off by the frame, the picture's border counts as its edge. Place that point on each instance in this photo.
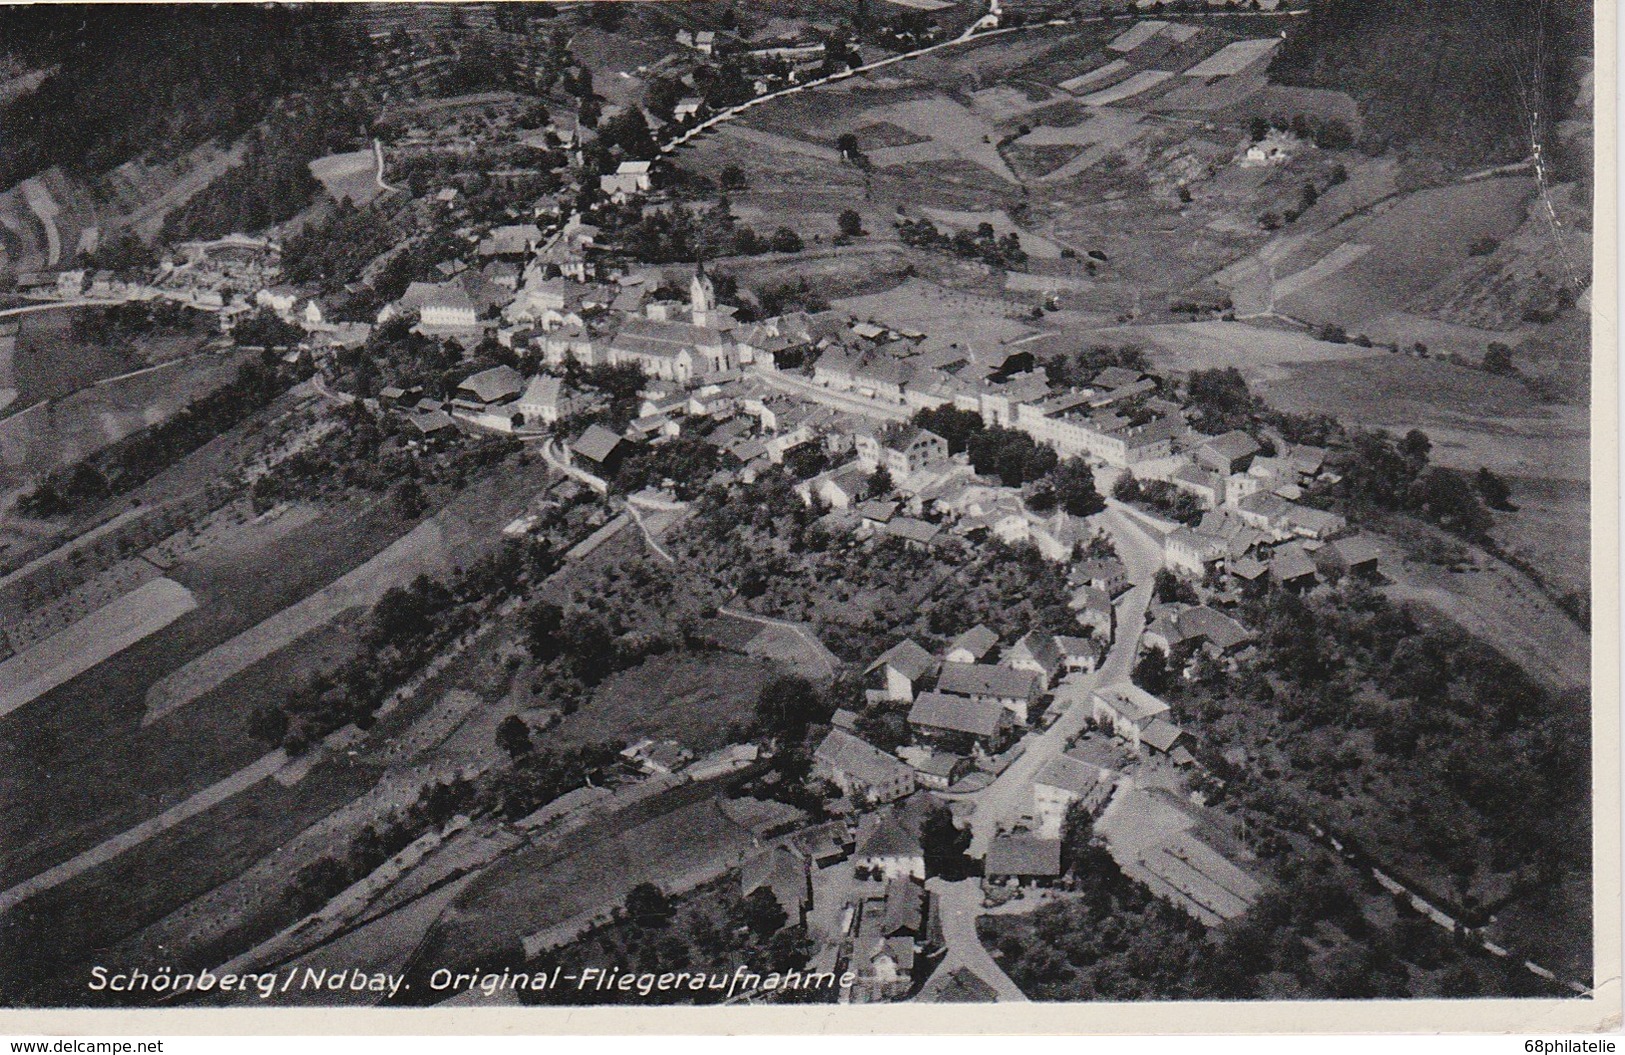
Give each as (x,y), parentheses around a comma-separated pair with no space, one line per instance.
(157,81)
(1455,83)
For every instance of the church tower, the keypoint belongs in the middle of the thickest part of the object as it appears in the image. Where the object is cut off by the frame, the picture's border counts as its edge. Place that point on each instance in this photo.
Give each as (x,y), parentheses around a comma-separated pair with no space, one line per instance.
(702,297)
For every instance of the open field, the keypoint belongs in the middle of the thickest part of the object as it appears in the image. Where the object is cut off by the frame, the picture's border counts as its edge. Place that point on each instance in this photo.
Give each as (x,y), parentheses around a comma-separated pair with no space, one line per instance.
(48,436)
(422,551)
(973,316)
(104,633)
(1261,353)
(350,175)
(1413,243)
(551,886)
(689,698)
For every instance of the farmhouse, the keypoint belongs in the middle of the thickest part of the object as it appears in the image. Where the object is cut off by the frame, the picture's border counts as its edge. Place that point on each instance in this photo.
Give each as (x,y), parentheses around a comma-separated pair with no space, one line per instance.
(1014,690)
(900,670)
(860,769)
(1063,781)
(602,449)
(1126,709)
(971,646)
(1022,860)
(959,723)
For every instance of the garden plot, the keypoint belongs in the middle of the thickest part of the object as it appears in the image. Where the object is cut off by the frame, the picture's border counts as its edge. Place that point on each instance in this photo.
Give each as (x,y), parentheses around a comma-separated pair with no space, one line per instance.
(956,128)
(1141,82)
(1140,33)
(104,633)
(1234,58)
(1101,75)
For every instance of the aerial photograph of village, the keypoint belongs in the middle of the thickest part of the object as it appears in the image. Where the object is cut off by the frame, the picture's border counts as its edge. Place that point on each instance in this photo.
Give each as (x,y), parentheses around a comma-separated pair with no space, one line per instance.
(766,502)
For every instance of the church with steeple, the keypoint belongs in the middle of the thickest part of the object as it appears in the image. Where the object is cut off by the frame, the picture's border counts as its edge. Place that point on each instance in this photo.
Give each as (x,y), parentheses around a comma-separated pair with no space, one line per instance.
(674,350)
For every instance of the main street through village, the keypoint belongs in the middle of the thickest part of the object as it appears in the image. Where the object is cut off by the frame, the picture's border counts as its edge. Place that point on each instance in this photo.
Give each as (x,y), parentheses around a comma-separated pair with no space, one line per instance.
(999,804)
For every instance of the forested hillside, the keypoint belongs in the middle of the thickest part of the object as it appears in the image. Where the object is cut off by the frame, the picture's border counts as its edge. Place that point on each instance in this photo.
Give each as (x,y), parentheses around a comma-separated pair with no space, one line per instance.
(1456,80)
(148,80)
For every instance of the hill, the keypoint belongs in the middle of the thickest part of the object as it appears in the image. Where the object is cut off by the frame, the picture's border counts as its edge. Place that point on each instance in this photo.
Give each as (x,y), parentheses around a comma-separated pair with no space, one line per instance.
(1455,81)
(155,82)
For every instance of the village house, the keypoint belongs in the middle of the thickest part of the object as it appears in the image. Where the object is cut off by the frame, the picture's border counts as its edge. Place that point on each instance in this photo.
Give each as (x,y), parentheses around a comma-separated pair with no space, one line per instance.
(959,723)
(1192,552)
(935,770)
(1022,860)
(786,874)
(1357,557)
(1093,608)
(1107,574)
(1014,690)
(631,177)
(889,936)
(1291,567)
(543,401)
(861,770)
(886,847)
(972,646)
(1229,453)
(903,449)
(1125,710)
(439,307)
(510,242)
(1038,653)
(1063,781)
(1083,654)
(901,670)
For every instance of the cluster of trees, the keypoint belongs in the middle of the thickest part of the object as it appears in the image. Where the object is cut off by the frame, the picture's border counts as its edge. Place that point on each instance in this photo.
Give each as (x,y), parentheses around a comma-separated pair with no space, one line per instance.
(1079,368)
(130,463)
(405,629)
(272,183)
(1069,486)
(713,929)
(318,882)
(266,329)
(1011,455)
(1380,471)
(1307,937)
(1159,496)
(1328,133)
(782,298)
(334,249)
(131,83)
(688,462)
(132,320)
(368,455)
(683,235)
(1444,717)
(982,244)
